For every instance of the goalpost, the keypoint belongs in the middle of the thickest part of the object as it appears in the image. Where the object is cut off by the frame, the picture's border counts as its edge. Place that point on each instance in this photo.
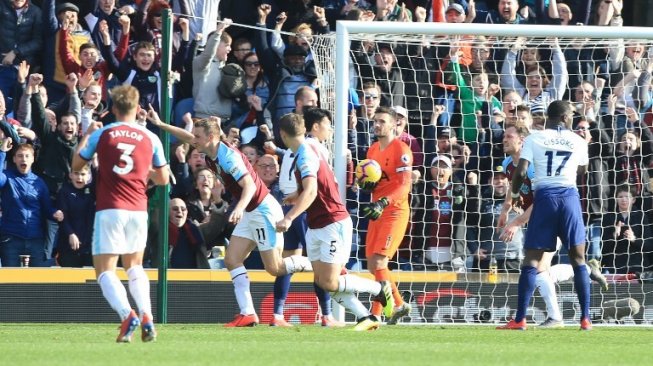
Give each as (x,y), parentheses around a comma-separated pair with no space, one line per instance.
(464,296)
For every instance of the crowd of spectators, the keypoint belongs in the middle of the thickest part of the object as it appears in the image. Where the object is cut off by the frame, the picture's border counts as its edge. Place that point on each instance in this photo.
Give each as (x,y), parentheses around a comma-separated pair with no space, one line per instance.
(455,101)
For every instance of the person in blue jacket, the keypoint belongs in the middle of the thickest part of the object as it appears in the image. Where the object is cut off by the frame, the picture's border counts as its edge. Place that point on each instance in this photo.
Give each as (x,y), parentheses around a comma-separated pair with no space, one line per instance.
(25,203)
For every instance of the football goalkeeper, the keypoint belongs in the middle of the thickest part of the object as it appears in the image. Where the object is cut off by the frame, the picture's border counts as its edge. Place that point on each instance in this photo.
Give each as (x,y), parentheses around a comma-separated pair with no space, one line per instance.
(389,210)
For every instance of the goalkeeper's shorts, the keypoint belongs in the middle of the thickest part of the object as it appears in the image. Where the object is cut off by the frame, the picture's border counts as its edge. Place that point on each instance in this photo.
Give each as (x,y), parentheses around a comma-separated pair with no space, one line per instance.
(385,234)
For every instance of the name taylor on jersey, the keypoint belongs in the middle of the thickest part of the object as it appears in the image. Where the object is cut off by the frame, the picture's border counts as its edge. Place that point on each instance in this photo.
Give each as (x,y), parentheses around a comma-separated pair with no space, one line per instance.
(134,135)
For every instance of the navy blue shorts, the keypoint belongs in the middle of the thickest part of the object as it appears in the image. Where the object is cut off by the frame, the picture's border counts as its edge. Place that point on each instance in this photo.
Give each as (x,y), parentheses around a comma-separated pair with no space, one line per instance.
(556,213)
(295,237)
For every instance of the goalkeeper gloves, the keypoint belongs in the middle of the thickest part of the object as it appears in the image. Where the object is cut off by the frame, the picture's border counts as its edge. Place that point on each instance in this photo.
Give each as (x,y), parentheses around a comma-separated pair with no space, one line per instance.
(374,210)
(368,186)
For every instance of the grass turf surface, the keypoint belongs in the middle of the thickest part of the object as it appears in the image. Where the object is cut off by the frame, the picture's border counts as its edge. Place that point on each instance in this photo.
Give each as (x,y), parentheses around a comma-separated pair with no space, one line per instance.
(93,344)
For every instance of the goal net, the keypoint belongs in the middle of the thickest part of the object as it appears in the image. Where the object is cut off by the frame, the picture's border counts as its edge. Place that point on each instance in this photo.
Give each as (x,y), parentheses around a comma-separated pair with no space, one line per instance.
(460,88)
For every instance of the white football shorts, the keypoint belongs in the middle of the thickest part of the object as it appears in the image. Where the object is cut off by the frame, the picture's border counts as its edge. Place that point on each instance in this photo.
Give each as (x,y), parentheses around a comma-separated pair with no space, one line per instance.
(259,225)
(330,244)
(117,231)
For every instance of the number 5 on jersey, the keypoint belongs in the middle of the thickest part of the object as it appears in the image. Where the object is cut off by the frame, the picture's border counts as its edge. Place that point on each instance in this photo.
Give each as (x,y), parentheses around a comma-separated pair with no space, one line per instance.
(125,158)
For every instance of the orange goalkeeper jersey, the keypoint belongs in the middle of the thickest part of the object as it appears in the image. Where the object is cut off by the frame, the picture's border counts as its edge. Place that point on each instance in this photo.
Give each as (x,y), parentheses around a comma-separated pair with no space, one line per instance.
(396,162)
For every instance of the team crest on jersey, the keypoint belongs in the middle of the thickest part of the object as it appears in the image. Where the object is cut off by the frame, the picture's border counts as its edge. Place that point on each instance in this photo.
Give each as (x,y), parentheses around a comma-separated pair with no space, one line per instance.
(151,79)
(445,208)
(97,75)
(525,189)
(405,159)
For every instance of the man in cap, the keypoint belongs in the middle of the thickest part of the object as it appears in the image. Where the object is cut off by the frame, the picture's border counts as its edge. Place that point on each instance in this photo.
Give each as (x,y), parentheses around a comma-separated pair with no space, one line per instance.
(287,75)
(455,13)
(410,140)
(64,16)
(444,217)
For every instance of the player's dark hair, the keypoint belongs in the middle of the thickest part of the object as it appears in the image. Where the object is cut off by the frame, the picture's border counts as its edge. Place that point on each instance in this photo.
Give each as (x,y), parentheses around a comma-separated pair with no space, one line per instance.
(315,115)
(125,99)
(387,110)
(292,124)
(558,109)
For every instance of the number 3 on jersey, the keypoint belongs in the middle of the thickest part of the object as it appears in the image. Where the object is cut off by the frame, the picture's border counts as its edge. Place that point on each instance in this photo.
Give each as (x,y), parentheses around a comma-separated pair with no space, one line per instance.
(549,161)
(125,158)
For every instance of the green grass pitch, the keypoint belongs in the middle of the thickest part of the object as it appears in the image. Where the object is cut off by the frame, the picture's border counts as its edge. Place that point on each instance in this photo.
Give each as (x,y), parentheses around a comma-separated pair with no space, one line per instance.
(211,344)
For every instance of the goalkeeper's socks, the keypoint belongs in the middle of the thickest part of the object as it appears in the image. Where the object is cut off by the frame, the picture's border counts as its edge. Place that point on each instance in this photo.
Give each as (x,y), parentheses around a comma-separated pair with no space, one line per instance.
(545,285)
(323,298)
(377,309)
(582,285)
(241,289)
(525,291)
(384,274)
(399,300)
(281,287)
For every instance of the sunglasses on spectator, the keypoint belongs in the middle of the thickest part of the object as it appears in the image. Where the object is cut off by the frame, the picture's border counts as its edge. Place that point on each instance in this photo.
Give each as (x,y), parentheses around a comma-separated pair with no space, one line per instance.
(371,96)
(252,63)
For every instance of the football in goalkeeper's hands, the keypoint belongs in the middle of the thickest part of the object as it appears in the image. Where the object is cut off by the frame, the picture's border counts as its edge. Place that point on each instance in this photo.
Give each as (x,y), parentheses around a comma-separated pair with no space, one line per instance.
(368,172)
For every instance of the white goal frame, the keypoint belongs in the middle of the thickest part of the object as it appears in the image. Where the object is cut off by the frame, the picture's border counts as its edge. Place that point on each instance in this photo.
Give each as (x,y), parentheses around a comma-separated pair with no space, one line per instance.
(346,27)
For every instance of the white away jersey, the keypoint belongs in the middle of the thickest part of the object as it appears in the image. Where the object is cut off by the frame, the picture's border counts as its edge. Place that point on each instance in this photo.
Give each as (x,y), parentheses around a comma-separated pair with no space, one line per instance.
(555,156)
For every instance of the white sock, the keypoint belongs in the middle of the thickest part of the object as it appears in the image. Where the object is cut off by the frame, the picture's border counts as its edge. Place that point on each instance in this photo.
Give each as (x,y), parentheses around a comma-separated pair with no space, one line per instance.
(561,272)
(241,289)
(115,293)
(547,289)
(351,283)
(351,303)
(297,263)
(139,287)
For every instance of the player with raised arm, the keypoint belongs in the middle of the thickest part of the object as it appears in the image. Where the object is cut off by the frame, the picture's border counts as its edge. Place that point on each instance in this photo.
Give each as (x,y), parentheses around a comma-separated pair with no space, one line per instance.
(128,155)
(389,210)
(558,155)
(513,139)
(329,234)
(255,214)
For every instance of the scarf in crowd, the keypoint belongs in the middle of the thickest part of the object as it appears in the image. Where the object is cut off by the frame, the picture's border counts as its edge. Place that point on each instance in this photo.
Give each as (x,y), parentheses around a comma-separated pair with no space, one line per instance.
(174,232)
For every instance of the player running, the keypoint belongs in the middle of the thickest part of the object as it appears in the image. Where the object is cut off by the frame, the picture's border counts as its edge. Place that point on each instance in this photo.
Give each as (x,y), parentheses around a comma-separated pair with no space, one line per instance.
(255,215)
(389,210)
(329,234)
(318,126)
(558,155)
(128,154)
